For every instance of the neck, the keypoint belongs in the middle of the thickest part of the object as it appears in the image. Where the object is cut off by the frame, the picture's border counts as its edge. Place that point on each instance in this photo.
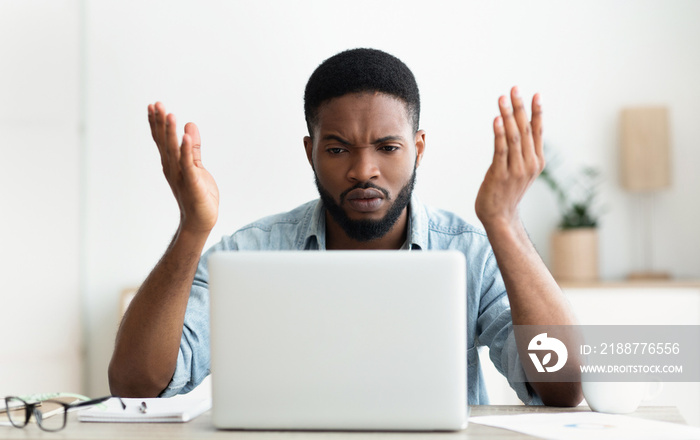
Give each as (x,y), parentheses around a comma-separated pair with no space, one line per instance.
(337,239)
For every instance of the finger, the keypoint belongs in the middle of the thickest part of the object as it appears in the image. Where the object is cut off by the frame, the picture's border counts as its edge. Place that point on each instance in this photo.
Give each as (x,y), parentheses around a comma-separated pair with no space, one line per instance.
(500,150)
(520,115)
(512,133)
(187,158)
(193,132)
(152,121)
(172,145)
(157,120)
(537,128)
(160,123)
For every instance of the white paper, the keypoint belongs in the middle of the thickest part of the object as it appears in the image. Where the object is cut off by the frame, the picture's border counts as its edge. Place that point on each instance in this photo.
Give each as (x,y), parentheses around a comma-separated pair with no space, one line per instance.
(173,409)
(588,425)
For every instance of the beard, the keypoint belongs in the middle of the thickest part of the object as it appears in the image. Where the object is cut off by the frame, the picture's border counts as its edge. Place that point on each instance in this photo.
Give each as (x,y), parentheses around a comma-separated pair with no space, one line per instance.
(367,229)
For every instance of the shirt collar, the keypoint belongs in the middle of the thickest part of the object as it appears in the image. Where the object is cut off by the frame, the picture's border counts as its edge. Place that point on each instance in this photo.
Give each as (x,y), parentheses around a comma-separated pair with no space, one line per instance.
(417,225)
(315,236)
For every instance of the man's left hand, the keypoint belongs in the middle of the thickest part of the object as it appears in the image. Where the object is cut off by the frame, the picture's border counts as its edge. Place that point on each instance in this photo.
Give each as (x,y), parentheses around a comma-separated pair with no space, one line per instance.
(517,161)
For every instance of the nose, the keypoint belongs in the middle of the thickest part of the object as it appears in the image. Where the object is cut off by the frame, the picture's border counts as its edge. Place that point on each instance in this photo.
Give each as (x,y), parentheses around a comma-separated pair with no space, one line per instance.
(363,168)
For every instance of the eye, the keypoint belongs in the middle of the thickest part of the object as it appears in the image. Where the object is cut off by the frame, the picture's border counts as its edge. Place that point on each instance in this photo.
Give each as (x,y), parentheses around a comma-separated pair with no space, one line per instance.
(335,150)
(389,148)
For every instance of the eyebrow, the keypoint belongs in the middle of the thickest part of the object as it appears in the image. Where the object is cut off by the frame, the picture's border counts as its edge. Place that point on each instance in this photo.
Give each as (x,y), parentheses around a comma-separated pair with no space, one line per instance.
(377,141)
(388,138)
(333,137)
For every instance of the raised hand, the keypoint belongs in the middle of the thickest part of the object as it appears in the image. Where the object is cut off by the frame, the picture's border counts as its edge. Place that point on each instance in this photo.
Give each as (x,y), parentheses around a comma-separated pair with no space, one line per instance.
(148,340)
(194,188)
(517,161)
(534,296)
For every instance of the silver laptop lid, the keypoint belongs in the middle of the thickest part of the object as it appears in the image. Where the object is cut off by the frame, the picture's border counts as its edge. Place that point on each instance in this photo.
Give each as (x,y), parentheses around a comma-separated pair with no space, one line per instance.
(339,340)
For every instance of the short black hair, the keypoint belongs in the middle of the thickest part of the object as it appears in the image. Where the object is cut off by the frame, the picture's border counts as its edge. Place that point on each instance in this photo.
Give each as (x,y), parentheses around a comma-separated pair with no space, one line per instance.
(356,71)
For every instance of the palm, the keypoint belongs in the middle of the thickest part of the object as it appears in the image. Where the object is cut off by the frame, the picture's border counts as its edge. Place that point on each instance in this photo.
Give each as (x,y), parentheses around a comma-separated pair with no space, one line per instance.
(193,186)
(198,200)
(518,159)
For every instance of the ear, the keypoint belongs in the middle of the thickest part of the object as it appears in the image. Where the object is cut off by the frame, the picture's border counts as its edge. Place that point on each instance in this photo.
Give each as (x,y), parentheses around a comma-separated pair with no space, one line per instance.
(420,146)
(309,147)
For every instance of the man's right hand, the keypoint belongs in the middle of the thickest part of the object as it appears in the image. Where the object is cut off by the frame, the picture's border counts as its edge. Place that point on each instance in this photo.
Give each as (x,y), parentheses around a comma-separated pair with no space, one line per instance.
(148,341)
(194,188)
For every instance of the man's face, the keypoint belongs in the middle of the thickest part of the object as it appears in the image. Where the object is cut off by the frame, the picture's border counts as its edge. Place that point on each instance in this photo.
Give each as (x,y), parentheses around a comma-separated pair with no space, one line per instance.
(364,155)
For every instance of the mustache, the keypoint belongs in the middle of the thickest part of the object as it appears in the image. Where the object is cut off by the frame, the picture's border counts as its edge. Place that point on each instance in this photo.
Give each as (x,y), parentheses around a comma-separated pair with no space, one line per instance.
(364,185)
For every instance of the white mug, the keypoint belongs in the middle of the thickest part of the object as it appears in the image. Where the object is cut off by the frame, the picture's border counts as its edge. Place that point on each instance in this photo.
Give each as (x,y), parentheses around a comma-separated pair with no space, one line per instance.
(618,397)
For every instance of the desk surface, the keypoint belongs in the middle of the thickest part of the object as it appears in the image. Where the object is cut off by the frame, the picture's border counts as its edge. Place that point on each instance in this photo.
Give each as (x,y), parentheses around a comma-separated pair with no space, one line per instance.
(201,428)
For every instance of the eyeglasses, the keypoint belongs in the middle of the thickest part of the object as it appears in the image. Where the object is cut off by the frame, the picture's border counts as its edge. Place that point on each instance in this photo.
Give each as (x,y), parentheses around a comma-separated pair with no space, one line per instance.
(51,415)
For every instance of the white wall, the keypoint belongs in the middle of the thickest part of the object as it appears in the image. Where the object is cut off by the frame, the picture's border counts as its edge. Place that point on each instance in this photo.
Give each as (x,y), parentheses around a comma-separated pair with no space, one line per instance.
(238,69)
(40,307)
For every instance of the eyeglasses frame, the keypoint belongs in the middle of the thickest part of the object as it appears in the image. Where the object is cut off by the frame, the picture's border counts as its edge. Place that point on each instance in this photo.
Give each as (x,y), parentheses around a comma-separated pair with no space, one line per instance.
(31,408)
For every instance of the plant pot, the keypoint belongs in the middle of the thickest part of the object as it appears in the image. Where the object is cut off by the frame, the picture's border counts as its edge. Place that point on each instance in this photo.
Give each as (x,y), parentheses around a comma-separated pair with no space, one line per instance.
(574,255)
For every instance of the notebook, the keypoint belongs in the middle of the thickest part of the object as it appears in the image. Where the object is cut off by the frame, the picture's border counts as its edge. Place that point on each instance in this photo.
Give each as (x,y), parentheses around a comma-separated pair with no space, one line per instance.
(338,340)
(177,409)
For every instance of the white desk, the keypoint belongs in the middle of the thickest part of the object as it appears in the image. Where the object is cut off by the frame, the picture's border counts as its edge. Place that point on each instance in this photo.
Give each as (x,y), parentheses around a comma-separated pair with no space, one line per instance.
(201,428)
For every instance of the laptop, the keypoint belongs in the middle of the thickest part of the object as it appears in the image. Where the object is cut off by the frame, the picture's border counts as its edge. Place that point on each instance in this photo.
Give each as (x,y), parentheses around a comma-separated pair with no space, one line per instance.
(338,340)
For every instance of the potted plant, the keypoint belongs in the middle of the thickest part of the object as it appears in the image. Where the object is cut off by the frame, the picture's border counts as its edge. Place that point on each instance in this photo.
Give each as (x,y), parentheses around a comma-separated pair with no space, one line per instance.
(574,246)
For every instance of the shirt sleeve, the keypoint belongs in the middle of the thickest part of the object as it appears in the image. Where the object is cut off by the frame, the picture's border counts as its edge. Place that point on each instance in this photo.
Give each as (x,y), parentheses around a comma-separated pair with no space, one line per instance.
(495,329)
(194,355)
(193,358)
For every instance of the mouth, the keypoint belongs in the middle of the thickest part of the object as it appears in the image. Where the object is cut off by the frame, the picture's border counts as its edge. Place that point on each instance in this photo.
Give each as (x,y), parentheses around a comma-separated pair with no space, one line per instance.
(365,200)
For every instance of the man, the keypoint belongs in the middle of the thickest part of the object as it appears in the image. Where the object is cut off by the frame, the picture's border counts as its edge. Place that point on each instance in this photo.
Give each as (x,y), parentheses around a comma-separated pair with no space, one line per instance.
(362,109)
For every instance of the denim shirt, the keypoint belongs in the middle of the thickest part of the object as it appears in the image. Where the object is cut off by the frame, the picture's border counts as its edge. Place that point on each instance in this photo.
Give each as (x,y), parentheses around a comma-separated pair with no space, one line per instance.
(304,228)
